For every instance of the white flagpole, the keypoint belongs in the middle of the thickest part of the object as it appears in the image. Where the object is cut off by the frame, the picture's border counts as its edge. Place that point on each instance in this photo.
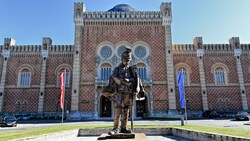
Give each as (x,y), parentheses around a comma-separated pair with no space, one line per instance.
(64,82)
(185,112)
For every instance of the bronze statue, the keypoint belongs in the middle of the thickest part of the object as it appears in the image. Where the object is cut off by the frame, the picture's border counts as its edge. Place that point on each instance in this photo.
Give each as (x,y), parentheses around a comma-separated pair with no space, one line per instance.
(124,86)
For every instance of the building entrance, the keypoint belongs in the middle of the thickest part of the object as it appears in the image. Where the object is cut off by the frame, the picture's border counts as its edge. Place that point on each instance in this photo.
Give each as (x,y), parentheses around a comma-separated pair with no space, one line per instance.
(105,107)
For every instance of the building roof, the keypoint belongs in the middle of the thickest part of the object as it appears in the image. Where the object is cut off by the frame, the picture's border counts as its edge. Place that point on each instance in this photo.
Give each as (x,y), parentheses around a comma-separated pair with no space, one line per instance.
(122,8)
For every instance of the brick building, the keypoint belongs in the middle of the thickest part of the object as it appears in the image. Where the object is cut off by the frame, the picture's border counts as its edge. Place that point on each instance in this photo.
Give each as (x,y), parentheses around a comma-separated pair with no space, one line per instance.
(216,76)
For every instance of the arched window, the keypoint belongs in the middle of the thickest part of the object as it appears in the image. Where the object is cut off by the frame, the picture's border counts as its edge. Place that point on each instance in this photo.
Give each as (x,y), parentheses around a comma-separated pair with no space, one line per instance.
(184,75)
(142,71)
(220,76)
(106,71)
(18,106)
(24,78)
(24,106)
(67,82)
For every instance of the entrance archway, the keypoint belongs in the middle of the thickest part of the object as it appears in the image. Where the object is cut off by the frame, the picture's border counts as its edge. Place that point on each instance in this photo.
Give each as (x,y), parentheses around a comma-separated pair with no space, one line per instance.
(141,107)
(105,107)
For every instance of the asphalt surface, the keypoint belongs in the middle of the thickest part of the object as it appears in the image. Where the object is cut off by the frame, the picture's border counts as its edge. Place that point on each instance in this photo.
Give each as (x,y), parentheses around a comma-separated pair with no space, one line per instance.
(33,124)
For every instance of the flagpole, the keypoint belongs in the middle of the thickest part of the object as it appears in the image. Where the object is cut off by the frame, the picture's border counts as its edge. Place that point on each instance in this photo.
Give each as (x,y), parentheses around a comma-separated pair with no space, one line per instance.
(64,82)
(185,109)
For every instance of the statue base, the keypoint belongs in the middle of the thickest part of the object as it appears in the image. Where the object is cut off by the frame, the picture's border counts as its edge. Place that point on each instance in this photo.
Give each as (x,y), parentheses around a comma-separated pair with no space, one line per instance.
(124,137)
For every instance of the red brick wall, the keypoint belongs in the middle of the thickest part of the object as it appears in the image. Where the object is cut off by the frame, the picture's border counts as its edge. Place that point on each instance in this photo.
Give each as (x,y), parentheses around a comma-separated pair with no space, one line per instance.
(28,94)
(52,97)
(160,98)
(193,94)
(153,35)
(229,61)
(245,62)
(232,93)
(52,63)
(15,62)
(192,62)
(248,96)
(93,36)
(86,100)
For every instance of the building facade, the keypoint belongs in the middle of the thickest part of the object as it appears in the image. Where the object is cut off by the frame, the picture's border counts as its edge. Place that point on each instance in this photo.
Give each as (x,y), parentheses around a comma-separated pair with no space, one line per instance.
(216,76)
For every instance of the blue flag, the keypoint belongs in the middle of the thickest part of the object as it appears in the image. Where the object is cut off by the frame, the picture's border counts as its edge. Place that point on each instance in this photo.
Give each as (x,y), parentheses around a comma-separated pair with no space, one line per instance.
(181,89)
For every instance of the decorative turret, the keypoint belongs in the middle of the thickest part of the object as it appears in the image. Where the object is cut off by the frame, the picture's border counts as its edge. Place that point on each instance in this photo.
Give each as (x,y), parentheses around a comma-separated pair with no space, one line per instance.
(235,42)
(166,13)
(79,9)
(198,42)
(47,42)
(8,42)
(166,9)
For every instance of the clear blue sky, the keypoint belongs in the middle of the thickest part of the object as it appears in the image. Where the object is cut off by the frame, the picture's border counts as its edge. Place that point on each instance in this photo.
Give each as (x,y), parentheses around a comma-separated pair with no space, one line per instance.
(27,21)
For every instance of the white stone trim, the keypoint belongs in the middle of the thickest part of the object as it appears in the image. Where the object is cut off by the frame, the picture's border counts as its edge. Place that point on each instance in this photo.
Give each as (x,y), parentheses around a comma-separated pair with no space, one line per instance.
(118,45)
(25,66)
(144,44)
(67,66)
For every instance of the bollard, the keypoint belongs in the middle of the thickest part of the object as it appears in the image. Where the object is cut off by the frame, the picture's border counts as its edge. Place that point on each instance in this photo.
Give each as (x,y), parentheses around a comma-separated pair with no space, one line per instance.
(182,120)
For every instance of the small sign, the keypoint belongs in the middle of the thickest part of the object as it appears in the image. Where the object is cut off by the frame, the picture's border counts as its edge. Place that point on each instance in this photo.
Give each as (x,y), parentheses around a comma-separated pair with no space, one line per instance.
(200,52)
(6,53)
(45,53)
(237,52)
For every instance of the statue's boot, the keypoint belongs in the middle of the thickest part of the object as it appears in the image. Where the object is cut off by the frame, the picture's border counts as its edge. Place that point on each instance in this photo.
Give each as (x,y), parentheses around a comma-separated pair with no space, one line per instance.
(112,132)
(124,130)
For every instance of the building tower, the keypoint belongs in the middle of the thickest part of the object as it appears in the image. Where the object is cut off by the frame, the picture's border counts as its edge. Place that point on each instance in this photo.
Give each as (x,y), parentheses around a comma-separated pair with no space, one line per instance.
(79,9)
(8,42)
(166,23)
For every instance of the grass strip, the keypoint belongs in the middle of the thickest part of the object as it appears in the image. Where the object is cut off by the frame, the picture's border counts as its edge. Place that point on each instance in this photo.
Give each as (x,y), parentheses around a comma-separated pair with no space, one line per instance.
(217,130)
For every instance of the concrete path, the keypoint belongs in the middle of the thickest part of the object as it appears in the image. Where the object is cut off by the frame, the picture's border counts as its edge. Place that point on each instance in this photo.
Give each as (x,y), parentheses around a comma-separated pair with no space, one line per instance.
(72,136)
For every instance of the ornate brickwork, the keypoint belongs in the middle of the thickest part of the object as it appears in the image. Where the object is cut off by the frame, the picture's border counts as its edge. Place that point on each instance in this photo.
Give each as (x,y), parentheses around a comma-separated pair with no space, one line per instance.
(86,103)
(52,98)
(192,63)
(14,64)
(52,65)
(160,98)
(228,60)
(216,93)
(193,98)
(13,95)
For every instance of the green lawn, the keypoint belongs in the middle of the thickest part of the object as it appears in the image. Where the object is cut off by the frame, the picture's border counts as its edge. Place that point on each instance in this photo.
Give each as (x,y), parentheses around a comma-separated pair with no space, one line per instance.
(40,131)
(218,130)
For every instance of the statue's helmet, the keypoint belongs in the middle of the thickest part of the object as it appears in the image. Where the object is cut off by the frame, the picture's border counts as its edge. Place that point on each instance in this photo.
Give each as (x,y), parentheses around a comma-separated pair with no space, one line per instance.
(127,55)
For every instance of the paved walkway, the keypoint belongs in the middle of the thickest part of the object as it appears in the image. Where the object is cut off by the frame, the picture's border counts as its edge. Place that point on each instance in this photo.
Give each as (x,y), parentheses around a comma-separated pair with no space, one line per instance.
(72,136)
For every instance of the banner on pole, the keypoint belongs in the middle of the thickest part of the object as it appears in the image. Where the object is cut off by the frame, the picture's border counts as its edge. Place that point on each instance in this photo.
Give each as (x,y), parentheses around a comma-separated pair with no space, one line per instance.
(62,85)
(181,89)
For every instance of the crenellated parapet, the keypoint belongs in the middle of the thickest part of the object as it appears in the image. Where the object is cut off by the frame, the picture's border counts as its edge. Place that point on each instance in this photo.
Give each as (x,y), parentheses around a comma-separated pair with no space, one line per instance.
(211,49)
(183,49)
(115,18)
(37,50)
(122,15)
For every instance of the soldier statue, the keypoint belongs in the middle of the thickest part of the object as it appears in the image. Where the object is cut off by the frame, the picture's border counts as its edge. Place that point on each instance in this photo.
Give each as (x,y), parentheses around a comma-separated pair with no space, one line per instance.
(124,86)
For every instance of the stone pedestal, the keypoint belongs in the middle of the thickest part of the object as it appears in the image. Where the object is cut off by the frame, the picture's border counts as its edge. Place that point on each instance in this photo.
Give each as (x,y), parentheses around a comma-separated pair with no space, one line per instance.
(124,137)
